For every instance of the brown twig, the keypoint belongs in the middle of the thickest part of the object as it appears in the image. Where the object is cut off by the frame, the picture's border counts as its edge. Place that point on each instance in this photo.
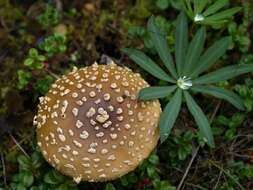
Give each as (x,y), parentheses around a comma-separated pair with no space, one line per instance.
(195,152)
(18,145)
(213,163)
(196,186)
(216,184)
(52,74)
(21,141)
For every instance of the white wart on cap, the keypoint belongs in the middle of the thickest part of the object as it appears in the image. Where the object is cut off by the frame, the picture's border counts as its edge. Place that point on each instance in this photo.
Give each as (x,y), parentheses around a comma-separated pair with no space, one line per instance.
(90,125)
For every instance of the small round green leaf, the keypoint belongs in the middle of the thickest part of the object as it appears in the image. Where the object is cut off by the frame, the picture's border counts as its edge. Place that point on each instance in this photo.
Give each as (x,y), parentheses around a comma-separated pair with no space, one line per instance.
(109,186)
(28,179)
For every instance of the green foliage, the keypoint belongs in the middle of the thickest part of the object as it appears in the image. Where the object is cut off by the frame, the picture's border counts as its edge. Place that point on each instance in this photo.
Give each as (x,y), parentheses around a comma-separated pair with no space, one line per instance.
(34,60)
(156,92)
(170,114)
(165,26)
(147,64)
(190,62)
(239,31)
(164,4)
(23,78)
(161,46)
(141,9)
(95,28)
(32,174)
(202,12)
(234,99)
(246,92)
(53,44)
(163,185)
(109,186)
(140,32)
(49,17)
(238,35)
(178,147)
(236,172)
(42,85)
(200,119)
(230,124)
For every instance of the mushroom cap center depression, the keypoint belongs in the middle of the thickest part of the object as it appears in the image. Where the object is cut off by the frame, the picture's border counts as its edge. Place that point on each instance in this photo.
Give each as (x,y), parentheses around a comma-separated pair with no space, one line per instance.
(90,125)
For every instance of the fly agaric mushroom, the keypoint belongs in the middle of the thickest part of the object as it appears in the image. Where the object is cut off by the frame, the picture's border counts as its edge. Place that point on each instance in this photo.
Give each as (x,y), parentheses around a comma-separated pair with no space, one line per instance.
(92,127)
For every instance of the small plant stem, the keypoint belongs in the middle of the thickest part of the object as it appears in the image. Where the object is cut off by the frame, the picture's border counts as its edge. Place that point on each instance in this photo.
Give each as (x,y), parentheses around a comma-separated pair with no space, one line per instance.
(195,152)
(215,111)
(196,186)
(216,184)
(52,74)
(18,145)
(20,142)
(227,174)
(239,155)
(4,171)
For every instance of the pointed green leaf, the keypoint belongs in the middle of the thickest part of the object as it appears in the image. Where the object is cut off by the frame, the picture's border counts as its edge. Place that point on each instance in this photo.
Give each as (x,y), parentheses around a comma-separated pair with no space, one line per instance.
(147,64)
(227,95)
(215,7)
(181,41)
(194,50)
(186,6)
(199,6)
(224,73)
(169,115)
(214,23)
(200,119)
(211,55)
(223,14)
(156,92)
(160,43)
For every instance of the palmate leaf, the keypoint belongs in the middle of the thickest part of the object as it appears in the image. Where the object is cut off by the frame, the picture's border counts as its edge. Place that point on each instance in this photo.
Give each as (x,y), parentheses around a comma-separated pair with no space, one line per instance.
(211,55)
(219,4)
(223,14)
(224,73)
(147,64)
(160,43)
(181,41)
(155,92)
(194,50)
(169,115)
(186,4)
(199,6)
(227,95)
(200,119)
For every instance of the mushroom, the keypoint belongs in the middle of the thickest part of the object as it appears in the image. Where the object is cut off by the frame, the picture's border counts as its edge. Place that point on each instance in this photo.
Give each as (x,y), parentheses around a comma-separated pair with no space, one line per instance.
(92,127)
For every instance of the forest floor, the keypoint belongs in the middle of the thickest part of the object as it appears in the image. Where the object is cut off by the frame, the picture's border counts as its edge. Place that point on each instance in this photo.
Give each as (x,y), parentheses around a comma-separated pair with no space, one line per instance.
(89,31)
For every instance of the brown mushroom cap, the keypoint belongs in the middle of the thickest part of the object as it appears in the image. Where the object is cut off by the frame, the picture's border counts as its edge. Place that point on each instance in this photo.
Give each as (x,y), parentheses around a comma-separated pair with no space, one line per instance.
(90,125)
